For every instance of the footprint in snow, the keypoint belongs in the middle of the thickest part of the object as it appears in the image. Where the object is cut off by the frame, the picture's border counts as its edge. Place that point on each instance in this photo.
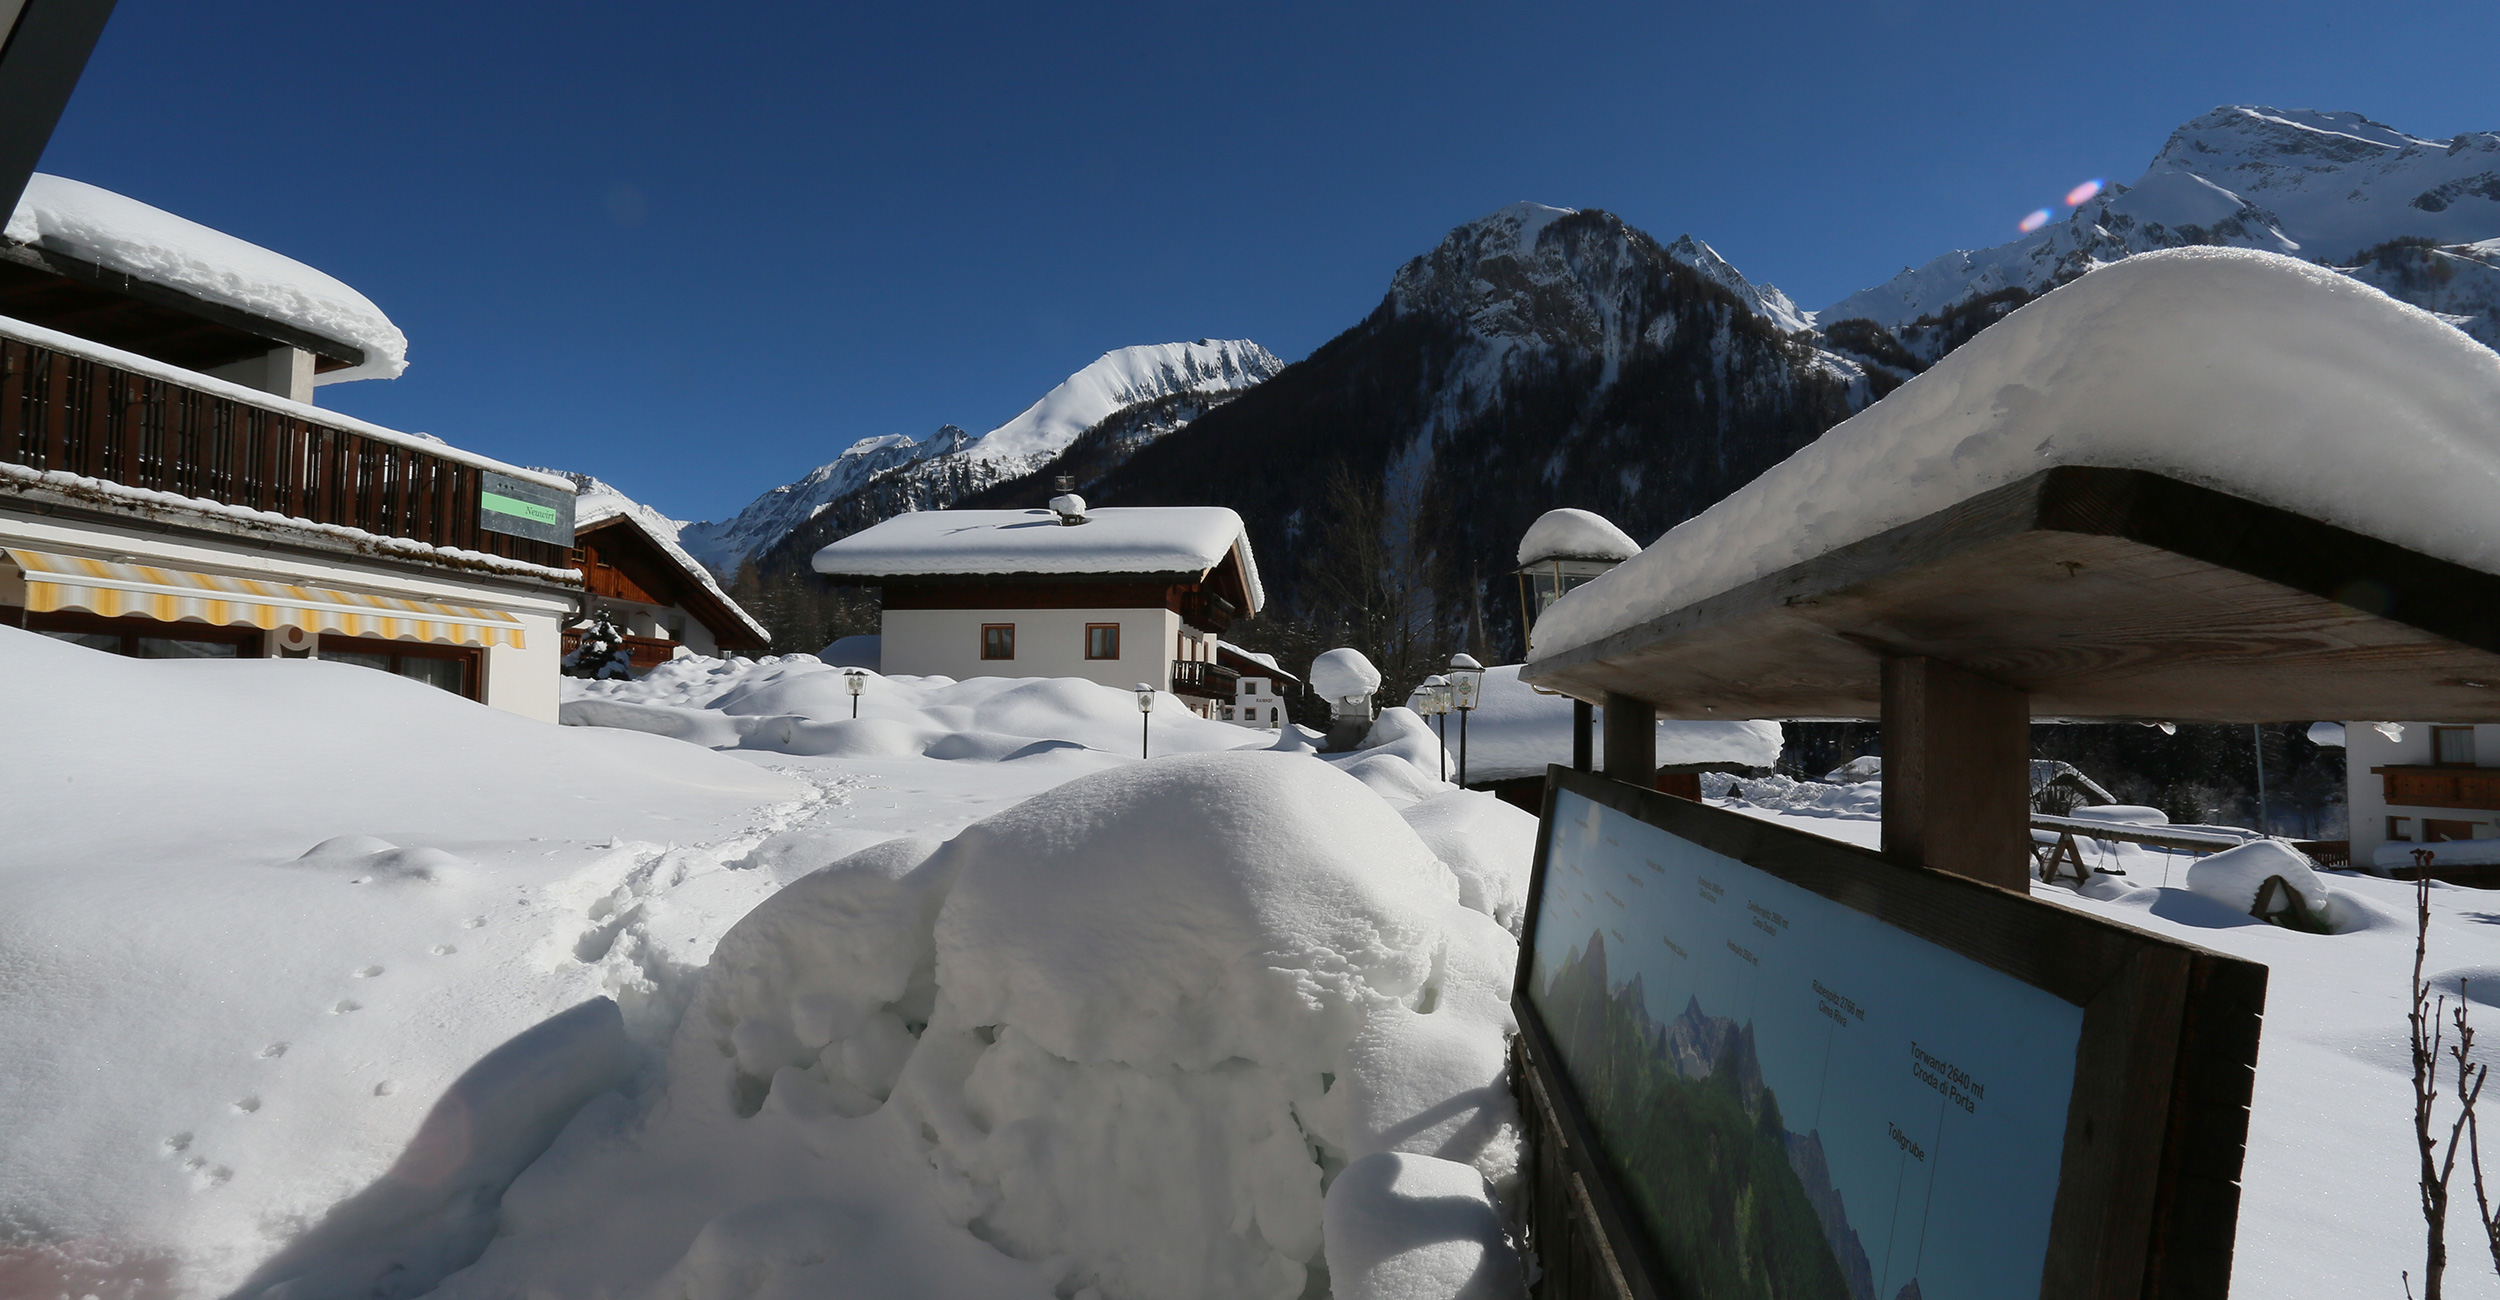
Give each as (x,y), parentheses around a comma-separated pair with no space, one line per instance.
(205,1175)
(178,1143)
(346,1005)
(367,972)
(444,950)
(247,1105)
(273,1051)
(474,923)
(385,1088)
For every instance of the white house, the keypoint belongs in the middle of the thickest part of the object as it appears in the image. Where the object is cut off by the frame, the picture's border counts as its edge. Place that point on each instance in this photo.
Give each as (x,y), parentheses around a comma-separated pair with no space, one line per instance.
(1119,595)
(2429,782)
(168,490)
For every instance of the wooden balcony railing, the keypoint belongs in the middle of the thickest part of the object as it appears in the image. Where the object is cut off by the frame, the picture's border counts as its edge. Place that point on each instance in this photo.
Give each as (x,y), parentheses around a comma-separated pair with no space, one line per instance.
(60,411)
(646,652)
(1198,677)
(2441,787)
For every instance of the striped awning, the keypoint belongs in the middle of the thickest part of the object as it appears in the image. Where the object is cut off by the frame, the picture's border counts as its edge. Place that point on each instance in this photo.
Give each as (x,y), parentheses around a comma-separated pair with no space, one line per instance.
(57,582)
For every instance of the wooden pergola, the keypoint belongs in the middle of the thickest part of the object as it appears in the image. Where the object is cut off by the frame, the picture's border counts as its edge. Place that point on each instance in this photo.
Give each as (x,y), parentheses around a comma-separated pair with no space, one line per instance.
(2077,593)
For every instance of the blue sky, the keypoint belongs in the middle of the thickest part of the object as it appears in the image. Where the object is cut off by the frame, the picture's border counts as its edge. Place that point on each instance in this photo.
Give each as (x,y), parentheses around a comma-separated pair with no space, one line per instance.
(699,249)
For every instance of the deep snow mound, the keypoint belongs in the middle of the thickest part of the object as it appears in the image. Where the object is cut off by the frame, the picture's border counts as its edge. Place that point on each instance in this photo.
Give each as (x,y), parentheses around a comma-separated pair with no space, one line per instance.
(1125,1033)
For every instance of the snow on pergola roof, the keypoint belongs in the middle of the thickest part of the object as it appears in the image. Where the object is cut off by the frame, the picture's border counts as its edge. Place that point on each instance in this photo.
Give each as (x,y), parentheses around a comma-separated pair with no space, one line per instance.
(1120,540)
(2201,485)
(122,234)
(1572,534)
(2250,373)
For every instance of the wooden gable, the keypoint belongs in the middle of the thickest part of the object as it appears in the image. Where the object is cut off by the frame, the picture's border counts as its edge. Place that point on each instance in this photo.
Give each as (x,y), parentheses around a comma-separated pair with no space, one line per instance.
(620,562)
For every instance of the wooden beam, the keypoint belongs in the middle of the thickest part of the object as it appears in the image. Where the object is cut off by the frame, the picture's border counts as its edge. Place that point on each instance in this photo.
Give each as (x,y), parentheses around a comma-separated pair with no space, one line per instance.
(1957,781)
(1631,739)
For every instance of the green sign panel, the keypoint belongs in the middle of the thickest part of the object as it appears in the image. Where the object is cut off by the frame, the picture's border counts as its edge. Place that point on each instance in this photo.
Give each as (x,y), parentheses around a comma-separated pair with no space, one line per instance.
(523,509)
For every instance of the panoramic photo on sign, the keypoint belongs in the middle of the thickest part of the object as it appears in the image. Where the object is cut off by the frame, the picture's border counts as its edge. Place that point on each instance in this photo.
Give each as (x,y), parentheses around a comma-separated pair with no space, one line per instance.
(1799,1099)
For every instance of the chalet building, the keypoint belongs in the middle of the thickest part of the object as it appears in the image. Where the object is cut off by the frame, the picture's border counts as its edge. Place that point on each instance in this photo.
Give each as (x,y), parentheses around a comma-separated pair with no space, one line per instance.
(1259,688)
(637,576)
(1119,596)
(2430,782)
(167,490)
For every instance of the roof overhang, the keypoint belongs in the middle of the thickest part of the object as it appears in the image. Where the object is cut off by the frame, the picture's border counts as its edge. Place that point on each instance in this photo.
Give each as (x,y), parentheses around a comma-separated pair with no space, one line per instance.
(52,289)
(2104,594)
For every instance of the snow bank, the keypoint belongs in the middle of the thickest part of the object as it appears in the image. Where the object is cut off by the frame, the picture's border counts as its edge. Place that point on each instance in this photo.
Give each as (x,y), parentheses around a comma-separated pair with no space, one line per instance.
(1343,673)
(122,234)
(1488,844)
(1856,801)
(800,705)
(1571,534)
(276,929)
(2234,877)
(2446,853)
(1516,732)
(1133,1023)
(855,652)
(1414,1228)
(2247,372)
(2326,735)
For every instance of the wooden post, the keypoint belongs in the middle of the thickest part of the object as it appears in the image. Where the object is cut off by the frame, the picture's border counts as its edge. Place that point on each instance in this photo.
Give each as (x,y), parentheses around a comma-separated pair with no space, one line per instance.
(1957,779)
(1631,739)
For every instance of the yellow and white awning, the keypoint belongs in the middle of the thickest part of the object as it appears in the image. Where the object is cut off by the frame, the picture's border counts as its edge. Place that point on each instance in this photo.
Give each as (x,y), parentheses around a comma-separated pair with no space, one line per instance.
(57,582)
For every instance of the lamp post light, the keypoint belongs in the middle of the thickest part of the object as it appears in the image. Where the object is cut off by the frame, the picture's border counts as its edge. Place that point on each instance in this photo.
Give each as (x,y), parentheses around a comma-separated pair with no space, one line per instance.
(1145,716)
(855,681)
(1435,694)
(1466,692)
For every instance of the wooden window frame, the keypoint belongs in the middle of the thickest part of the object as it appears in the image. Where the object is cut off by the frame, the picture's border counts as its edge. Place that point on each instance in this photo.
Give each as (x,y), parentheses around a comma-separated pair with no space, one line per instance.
(1091,629)
(2399,829)
(131,627)
(472,658)
(2440,830)
(2437,732)
(1010,630)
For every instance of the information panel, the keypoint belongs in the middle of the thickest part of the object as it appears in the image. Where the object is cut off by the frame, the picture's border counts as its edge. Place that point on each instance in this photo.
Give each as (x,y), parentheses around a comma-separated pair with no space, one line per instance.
(1800,1100)
(1761,1063)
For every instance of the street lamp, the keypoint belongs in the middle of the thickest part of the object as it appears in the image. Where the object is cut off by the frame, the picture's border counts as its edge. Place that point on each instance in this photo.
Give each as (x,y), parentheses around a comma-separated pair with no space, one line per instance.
(1466,692)
(1145,715)
(855,681)
(1435,694)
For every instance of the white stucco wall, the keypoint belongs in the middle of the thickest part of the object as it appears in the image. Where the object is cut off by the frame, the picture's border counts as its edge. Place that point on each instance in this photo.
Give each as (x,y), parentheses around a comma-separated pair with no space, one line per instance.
(2366,795)
(519,681)
(1049,643)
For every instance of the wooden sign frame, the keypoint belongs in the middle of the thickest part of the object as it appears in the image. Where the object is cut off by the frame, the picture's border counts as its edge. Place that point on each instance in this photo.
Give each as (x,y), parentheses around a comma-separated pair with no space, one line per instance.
(2148,1191)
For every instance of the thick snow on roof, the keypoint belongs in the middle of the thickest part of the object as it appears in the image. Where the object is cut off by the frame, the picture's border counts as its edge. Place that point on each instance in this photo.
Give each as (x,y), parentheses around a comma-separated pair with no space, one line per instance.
(2246,372)
(123,234)
(1571,534)
(1113,539)
(597,502)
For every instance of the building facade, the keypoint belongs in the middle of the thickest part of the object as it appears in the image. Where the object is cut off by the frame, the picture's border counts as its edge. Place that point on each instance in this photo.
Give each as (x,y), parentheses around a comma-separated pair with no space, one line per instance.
(2427,783)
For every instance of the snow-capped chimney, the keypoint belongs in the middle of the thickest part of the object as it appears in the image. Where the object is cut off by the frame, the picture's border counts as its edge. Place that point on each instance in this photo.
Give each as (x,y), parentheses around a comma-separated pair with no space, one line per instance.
(1068,505)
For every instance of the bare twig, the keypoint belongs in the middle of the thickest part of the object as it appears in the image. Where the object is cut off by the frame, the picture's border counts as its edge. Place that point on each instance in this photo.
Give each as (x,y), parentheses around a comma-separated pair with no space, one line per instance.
(2425,1019)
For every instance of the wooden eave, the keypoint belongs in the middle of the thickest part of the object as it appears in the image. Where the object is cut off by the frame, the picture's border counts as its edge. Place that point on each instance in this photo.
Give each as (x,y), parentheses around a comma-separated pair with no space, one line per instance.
(77,297)
(639,570)
(2104,594)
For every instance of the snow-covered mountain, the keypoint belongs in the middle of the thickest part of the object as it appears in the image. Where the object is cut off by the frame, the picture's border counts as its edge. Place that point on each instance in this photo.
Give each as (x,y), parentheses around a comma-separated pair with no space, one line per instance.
(2418,218)
(1535,357)
(950,462)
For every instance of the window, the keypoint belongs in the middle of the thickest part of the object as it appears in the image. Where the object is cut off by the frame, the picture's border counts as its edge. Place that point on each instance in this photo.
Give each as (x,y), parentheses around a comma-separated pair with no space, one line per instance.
(452,668)
(2452,746)
(1102,640)
(2437,831)
(2400,829)
(998,640)
(142,638)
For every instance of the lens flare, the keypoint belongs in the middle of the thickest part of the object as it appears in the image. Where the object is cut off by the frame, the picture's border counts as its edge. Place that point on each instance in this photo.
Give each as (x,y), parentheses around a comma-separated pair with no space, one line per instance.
(2082,194)
(2036,220)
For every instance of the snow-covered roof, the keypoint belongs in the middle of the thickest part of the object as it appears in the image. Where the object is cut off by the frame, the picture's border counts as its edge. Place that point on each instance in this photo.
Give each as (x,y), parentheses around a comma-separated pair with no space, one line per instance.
(2246,372)
(1570,534)
(1259,657)
(122,234)
(1113,539)
(1515,732)
(597,501)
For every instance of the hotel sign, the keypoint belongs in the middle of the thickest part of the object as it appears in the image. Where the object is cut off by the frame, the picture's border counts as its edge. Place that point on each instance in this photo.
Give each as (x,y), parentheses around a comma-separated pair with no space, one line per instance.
(524,509)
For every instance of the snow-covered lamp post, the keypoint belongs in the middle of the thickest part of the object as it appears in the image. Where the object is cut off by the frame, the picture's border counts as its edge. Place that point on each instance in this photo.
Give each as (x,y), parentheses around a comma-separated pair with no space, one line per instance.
(1145,716)
(854,681)
(1435,697)
(1561,550)
(1346,680)
(1466,690)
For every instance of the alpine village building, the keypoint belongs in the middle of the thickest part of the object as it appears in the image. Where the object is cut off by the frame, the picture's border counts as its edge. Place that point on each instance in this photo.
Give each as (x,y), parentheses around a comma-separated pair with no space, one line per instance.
(167,489)
(1118,595)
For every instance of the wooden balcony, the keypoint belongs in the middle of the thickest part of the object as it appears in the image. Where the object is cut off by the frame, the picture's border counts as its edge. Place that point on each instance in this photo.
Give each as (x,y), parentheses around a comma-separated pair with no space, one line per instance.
(645,652)
(1198,677)
(2441,787)
(61,411)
